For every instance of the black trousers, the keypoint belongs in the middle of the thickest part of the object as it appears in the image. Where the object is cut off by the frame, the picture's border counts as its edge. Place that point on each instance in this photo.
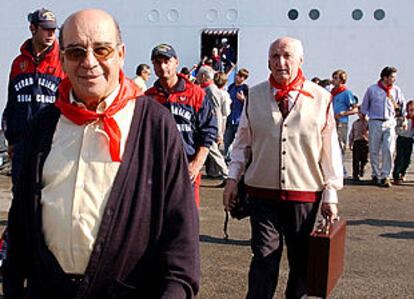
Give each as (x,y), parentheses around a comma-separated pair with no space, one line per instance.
(271,223)
(403,157)
(359,157)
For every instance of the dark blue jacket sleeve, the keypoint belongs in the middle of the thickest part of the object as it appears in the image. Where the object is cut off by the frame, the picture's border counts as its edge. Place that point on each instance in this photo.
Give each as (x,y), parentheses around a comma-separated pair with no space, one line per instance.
(206,124)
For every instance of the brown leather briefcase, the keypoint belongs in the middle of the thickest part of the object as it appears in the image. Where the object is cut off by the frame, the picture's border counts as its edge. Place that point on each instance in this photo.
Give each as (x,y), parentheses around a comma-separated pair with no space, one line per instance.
(326,258)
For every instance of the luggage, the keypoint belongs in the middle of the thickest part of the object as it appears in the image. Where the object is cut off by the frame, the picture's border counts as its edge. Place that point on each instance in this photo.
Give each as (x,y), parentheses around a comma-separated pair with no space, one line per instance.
(326,258)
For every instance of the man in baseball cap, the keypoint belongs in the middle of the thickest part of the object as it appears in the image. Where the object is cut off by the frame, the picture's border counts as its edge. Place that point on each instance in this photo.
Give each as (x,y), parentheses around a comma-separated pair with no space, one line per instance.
(38,63)
(163,50)
(191,110)
(44,18)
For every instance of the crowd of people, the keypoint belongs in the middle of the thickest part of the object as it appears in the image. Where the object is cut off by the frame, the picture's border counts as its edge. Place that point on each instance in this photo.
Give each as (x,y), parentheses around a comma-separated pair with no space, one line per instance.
(106,172)
(383,114)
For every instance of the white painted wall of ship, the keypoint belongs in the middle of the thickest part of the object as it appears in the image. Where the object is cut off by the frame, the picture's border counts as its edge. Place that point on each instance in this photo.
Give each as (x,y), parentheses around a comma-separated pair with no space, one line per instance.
(334,40)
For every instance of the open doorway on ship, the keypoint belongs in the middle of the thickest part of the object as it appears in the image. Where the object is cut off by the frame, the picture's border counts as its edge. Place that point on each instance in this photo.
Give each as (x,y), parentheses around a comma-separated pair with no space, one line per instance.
(219,47)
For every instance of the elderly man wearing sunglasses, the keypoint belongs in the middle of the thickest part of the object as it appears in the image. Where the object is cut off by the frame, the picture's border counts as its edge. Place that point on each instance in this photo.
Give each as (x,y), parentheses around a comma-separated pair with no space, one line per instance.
(105,207)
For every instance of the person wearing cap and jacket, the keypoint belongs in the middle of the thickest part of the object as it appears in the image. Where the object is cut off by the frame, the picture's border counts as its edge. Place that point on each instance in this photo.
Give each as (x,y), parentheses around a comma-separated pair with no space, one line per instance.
(190,108)
(33,82)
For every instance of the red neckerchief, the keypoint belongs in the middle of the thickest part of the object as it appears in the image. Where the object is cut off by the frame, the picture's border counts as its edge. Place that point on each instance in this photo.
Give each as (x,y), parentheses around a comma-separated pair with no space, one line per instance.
(338,90)
(295,85)
(206,84)
(216,58)
(387,89)
(80,116)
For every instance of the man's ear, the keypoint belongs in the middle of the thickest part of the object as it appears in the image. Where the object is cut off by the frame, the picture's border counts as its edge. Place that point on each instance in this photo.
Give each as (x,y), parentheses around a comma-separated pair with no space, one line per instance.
(268,65)
(32,29)
(121,53)
(61,60)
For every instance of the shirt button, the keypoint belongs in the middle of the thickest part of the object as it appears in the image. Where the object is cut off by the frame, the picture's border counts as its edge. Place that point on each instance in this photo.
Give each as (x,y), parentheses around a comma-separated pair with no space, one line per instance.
(284,153)
(283,181)
(283,168)
(81,185)
(77,216)
(284,139)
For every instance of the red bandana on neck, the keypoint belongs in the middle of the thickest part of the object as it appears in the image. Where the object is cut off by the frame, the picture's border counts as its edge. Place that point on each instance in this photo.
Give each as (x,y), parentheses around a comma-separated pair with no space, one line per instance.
(80,116)
(295,85)
(338,90)
(387,89)
(206,84)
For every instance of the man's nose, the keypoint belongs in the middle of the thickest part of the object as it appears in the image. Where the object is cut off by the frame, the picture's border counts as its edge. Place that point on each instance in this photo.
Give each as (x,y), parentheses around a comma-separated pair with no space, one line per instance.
(90,59)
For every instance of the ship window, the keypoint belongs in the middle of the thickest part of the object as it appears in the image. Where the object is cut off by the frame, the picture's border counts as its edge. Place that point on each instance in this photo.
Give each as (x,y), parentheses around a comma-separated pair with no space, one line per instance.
(357,14)
(314,14)
(293,14)
(379,14)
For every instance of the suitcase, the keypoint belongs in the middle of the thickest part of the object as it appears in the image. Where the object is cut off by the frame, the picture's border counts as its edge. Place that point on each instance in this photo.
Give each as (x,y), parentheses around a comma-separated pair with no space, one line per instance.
(326,258)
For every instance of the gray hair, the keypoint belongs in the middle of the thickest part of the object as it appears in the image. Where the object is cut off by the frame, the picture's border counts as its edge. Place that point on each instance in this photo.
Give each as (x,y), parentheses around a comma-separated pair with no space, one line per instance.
(297,44)
(207,72)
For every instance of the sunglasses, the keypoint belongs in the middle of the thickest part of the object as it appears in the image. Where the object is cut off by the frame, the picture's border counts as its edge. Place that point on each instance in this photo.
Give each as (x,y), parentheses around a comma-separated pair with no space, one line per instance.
(78,53)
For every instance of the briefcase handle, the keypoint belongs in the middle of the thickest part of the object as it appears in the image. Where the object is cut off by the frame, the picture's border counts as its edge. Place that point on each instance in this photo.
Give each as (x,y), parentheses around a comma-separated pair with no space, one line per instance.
(324,225)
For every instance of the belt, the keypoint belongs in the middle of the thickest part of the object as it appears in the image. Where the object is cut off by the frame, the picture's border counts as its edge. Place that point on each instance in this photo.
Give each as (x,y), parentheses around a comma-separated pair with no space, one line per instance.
(378,119)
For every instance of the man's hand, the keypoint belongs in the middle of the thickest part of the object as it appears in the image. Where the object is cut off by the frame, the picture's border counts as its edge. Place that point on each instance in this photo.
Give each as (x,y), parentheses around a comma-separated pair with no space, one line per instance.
(193,170)
(330,211)
(10,151)
(229,194)
(240,96)
(219,140)
(339,115)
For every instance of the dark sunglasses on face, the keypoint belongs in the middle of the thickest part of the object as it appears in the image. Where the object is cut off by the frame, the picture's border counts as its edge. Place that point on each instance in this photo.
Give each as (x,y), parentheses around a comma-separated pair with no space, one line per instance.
(77,53)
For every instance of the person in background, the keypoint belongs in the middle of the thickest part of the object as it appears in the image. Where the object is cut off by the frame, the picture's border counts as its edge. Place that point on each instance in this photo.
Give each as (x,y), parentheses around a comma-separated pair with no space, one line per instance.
(405,133)
(33,83)
(216,161)
(382,102)
(104,208)
(284,195)
(358,143)
(143,73)
(344,105)
(186,72)
(228,56)
(316,80)
(238,91)
(190,108)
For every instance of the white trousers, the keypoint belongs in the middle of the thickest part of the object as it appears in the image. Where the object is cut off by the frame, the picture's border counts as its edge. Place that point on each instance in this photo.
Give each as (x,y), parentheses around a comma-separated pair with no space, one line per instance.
(218,159)
(381,146)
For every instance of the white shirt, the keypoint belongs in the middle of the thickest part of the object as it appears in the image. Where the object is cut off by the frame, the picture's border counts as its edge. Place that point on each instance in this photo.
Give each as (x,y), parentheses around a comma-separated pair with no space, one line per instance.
(77,180)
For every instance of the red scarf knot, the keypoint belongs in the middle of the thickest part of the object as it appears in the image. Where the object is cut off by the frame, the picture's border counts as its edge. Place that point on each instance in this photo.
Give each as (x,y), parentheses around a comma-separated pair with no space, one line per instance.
(80,116)
(338,90)
(387,89)
(295,85)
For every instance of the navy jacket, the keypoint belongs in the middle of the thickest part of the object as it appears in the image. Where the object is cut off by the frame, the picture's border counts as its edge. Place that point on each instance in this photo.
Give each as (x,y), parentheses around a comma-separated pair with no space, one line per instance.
(33,85)
(192,112)
(147,245)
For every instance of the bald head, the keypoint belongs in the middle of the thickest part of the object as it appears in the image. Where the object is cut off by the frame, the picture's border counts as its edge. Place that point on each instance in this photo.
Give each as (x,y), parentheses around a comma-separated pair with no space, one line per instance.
(92,55)
(90,14)
(285,59)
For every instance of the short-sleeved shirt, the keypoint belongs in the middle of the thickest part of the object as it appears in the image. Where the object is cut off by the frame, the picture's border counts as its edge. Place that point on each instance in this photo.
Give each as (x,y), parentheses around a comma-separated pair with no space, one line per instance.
(343,102)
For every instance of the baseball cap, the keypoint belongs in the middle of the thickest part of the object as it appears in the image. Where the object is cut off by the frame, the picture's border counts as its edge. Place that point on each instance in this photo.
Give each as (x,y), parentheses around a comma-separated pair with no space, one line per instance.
(163,50)
(44,18)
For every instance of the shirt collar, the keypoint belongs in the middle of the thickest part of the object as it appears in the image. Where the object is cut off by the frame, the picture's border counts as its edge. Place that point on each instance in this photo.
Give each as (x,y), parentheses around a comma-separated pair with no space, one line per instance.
(179,87)
(102,105)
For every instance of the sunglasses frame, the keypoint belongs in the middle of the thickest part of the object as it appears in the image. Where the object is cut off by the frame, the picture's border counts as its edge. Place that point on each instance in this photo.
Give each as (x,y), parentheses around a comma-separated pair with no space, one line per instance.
(85,51)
